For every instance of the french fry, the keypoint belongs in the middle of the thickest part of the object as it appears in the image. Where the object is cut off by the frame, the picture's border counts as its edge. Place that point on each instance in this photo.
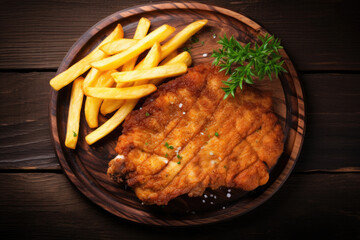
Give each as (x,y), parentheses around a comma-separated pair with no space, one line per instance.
(117,46)
(121,93)
(106,80)
(83,65)
(126,108)
(115,61)
(169,57)
(180,38)
(141,31)
(152,73)
(183,57)
(152,59)
(111,105)
(91,78)
(92,105)
(73,123)
(112,123)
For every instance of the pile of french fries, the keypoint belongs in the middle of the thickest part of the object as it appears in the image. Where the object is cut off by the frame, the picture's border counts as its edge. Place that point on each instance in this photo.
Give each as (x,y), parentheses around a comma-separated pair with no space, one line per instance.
(114,82)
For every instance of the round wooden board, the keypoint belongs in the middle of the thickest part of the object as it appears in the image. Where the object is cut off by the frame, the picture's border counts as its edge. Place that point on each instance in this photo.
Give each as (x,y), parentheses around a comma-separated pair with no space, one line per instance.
(86,166)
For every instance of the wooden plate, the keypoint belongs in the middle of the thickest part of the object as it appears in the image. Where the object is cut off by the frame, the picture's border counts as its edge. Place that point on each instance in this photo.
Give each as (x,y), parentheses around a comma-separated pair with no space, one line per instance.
(86,166)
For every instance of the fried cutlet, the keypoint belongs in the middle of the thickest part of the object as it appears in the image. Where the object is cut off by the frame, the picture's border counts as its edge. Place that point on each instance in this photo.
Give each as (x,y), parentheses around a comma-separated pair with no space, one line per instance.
(186,137)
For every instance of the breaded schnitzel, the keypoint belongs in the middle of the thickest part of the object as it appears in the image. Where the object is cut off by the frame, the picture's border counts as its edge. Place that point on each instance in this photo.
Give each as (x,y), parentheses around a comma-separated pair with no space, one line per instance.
(187,137)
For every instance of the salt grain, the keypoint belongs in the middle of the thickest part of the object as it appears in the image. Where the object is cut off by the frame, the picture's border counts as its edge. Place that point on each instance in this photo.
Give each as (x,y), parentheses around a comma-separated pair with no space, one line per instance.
(223,207)
(229,190)
(205,196)
(228,195)
(211,202)
(215,197)
(180,105)
(184,113)
(120,157)
(203,201)
(201,133)
(211,153)
(205,55)
(211,195)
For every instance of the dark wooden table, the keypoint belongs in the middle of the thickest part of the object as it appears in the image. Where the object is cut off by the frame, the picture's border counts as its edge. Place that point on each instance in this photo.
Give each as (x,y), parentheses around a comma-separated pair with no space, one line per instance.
(321,198)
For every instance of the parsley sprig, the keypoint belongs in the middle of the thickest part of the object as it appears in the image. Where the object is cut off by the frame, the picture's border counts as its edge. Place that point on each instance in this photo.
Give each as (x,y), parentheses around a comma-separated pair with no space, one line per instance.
(244,63)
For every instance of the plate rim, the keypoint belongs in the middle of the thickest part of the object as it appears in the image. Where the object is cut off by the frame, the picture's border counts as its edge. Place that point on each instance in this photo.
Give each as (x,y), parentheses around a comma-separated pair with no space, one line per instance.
(117,16)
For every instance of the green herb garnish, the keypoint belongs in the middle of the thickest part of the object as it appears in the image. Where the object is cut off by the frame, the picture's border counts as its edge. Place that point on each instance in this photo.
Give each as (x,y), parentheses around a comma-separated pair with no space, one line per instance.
(216,134)
(147,114)
(74,134)
(202,43)
(244,63)
(146,143)
(166,155)
(194,39)
(178,156)
(178,162)
(168,146)
(187,49)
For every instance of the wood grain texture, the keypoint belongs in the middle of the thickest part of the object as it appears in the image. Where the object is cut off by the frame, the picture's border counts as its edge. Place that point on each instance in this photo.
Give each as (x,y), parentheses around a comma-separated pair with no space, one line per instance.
(37,34)
(86,166)
(47,206)
(332,143)
(25,141)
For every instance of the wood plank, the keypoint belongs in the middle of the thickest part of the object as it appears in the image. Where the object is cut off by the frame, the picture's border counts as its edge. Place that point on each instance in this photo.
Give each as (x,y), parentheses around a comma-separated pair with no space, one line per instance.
(37,34)
(331,93)
(25,141)
(332,137)
(47,206)
(331,142)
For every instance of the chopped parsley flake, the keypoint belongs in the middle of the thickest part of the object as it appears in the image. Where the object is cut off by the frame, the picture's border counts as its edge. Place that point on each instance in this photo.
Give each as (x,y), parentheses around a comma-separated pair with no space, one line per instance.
(178,156)
(168,146)
(225,166)
(166,155)
(187,49)
(147,114)
(194,39)
(74,134)
(202,43)
(178,162)
(216,134)
(146,143)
